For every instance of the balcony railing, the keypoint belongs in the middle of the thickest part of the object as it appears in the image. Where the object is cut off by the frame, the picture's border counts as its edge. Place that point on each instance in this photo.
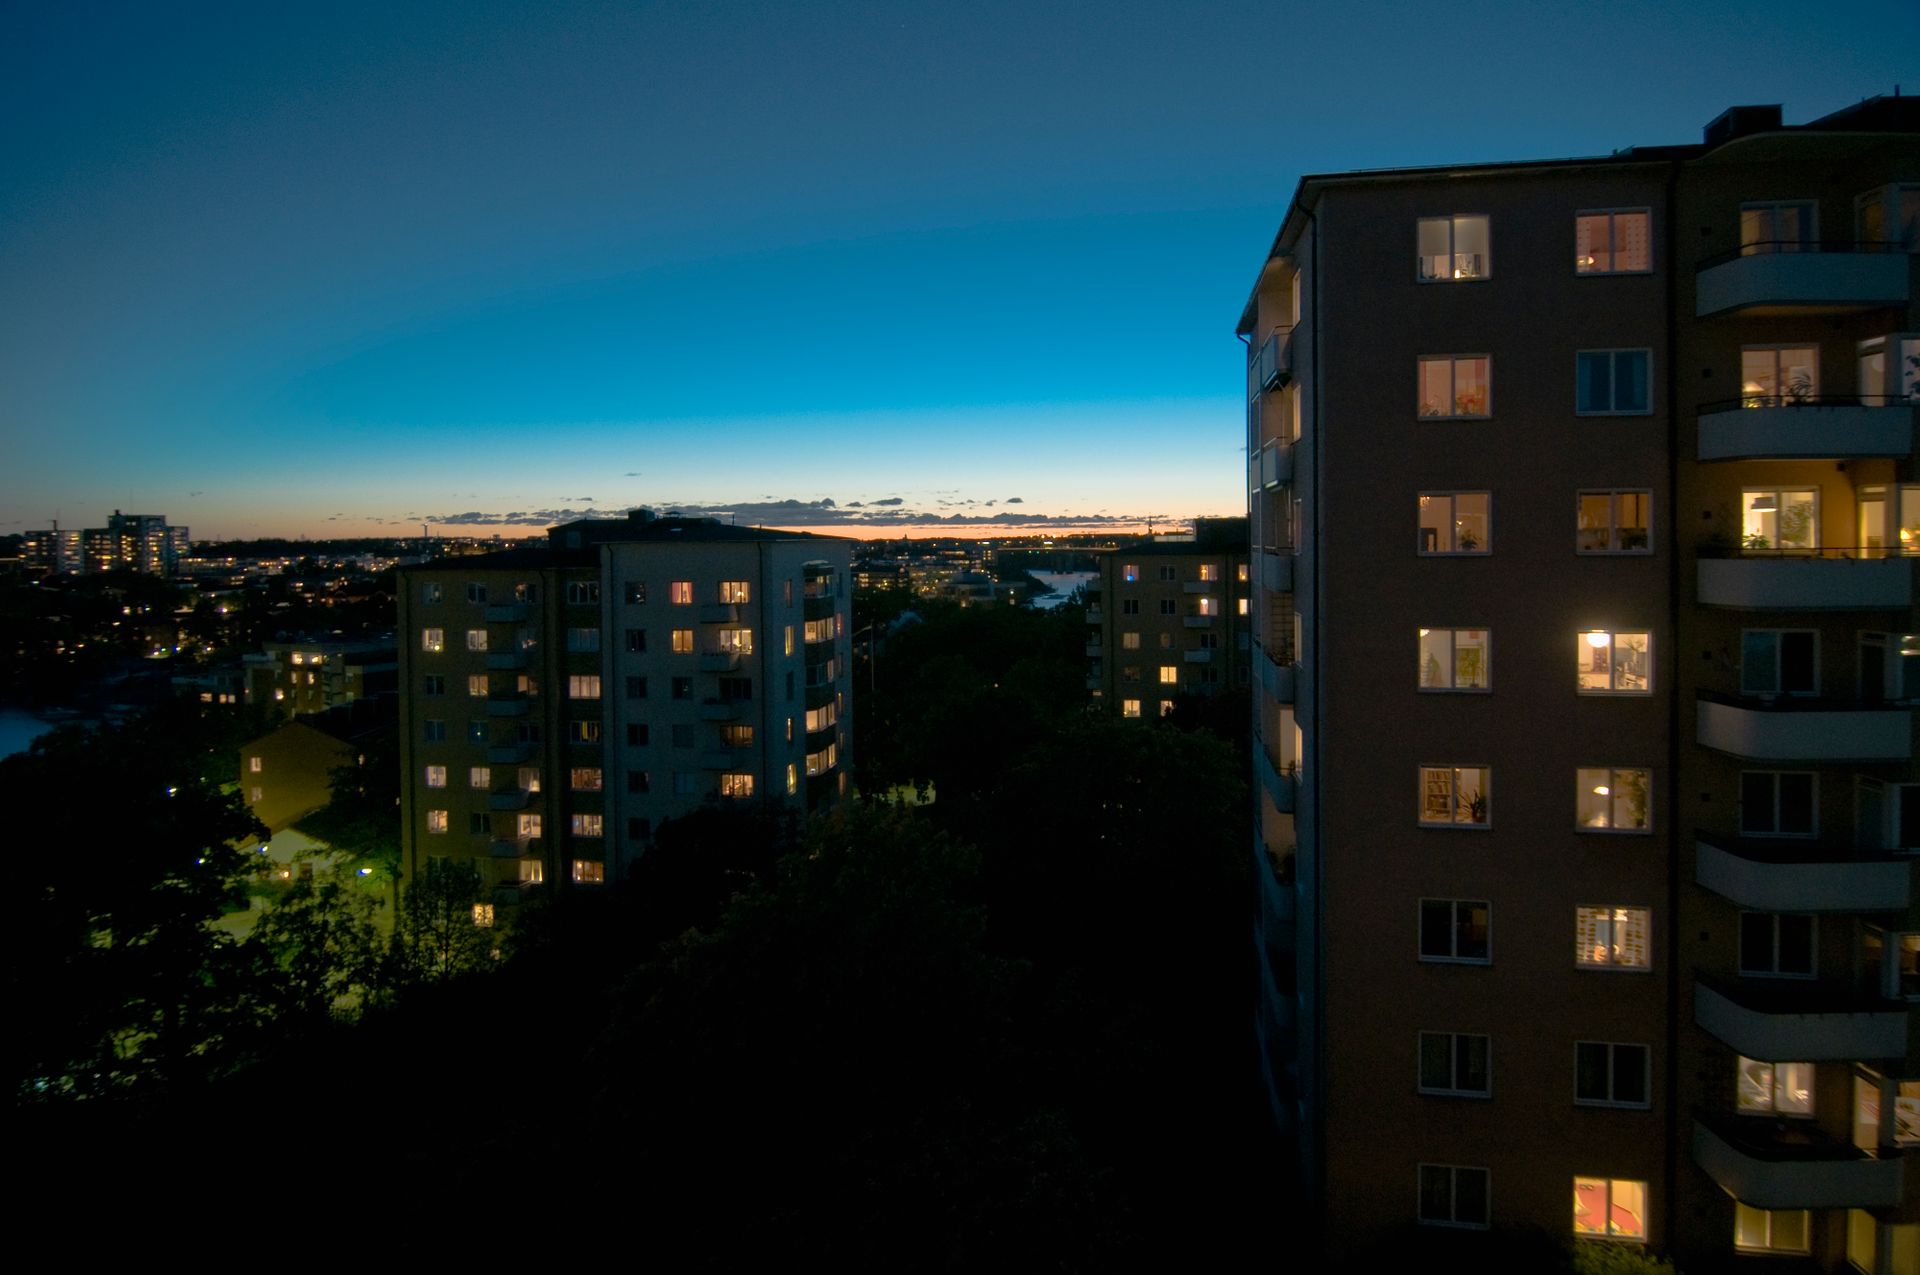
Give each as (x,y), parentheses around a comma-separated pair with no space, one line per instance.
(1791,427)
(1197,657)
(1805,278)
(507,613)
(1792,728)
(1280,781)
(1769,1165)
(1272,363)
(1805,1020)
(1873,578)
(509,799)
(1786,875)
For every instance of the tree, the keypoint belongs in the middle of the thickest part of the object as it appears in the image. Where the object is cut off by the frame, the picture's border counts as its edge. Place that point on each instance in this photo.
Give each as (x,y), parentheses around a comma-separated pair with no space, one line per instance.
(316,953)
(445,929)
(362,815)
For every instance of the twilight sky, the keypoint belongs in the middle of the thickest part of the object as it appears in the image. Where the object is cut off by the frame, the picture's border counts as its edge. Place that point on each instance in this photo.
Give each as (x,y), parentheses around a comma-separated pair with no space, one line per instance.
(342,268)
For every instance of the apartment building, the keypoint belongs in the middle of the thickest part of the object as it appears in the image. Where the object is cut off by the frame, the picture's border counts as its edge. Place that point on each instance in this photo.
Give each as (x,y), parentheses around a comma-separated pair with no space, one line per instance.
(1622,950)
(296,678)
(1170,617)
(559,704)
(129,542)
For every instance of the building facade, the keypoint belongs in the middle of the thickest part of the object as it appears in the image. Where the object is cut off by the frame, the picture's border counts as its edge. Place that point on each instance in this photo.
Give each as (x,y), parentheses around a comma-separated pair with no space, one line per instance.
(296,678)
(129,542)
(559,704)
(1170,617)
(1614,950)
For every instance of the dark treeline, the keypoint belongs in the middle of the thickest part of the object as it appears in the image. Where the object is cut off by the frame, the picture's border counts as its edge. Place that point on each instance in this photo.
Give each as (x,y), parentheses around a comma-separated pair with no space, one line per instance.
(1008,1026)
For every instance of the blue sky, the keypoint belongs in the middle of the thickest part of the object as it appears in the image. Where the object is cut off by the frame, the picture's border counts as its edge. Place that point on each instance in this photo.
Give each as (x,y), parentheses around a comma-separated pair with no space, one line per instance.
(344,268)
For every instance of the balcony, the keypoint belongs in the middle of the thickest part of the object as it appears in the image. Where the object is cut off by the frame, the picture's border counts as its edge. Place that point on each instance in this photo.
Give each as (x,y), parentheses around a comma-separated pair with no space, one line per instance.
(1276,464)
(720,661)
(1806,428)
(719,710)
(1095,650)
(512,799)
(1198,621)
(1777,875)
(1277,680)
(1787,1167)
(1802,729)
(1199,586)
(1095,615)
(1807,580)
(507,660)
(1272,364)
(720,613)
(1093,681)
(1802,1019)
(510,752)
(1197,657)
(507,706)
(1280,782)
(1276,572)
(507,613)
(508,848)
(1802,278)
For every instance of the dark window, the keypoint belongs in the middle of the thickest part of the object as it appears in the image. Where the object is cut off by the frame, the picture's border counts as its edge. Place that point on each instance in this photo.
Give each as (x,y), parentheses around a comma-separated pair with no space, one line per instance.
(636,687)
(435,684)
(1454,929)
(637,781)
(637,734)
(636,639)
(683,688)
(636,592)
(478,824)
(683,736)
(736,688)
(434,732)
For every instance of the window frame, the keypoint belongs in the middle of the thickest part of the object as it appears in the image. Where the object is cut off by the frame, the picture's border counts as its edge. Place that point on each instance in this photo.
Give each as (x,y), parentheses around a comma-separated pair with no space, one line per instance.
(1581,953)
(1806,1230)
(1613,354)
(1453,1172)
(1772,1110)
(1774,919)
(1607,1233)
(1452,1089)
(1767,247)
(1482,550)
(1453,797)
(1453,221)
(1453,663)
(1613,240)
(1774,831)
(1614,535)
(1581,790)
(1778,690)
(1584,638)
(1613,1070)
(1453,362)
(1452,956)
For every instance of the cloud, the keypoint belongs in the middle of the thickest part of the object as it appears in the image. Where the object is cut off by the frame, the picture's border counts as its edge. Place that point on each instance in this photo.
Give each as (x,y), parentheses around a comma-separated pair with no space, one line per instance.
(634,473)
(1015,500)
(890,500)
(854,504)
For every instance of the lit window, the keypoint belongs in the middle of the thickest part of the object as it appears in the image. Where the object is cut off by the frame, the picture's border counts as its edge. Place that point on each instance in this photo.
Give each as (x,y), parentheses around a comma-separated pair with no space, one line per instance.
(1611,1075)
(1455,386)
(1778,803)
(1614,937)
(253,764)
(1209,606)
(1451,1195)
(1240,573)
(1455,659)
(1129,641)
(680,593)
(583,639)
(1613,522)
(584,778)
(787,646)
(1456,796)
(1455,522)
(480,777)
(1612,243)
(736,784)
(255,795)
(532,871)
(1454,248)
(1780,519)
(1777,944)
(1240,606)
(793,779)
(820,718)
(1613,798)
(683,641)
(1455,1064)
(1769,1230)
(583,732)
(1614,663)
(436,821)
(483,915)
(1210,572)
(1129,708)
(1779,226)
(1130,573)
(528,826)
(1782,1089)
(1169,674)
(528,778)
(589,872)
(433,640)
(1612,382)
(1457,930)
(735,641)
(735,592)
(477,685)
(1166,708)
(436,776)
(585,825)
(1613,1207)
(476,639)
(583,686)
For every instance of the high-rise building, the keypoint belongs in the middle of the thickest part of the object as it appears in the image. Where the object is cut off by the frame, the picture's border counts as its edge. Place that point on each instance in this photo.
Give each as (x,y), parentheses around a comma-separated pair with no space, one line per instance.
(559,704)
(129,542)
(53,552)
(293,679)
(1169,617)
(1624,945)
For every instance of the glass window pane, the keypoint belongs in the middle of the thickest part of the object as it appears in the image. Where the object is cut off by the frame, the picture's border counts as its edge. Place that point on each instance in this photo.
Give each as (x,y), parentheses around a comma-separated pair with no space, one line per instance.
(1754,1085)
(1435,248)
(1595,522)
(1630,519)
(1631,668)
(1471,386)
(1436,1060)
(1471,663)
(1796,803)
(1788,1230)
(1628,1214)
(1470,1063)
(1749,1226)
(1471,938)
(1436,927)
(1589,1206)
(1590,1071)
(1759,662)
(1591,251)
(1436,1193)
(1793,1088)
(1632,241)
(1472,523)
(1796,945)
(1436,387)
(1756,941)
(1591,382)
(1470,1196)
(1436,658)
(1630,381)
(1472,248)
(1593,793)
(1629,1073)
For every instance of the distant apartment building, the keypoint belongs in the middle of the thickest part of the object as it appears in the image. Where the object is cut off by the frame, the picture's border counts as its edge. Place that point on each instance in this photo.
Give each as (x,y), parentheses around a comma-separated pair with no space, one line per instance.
(287,774)
(129,542)
(1170,617)
(1584,518)
(560,704)
(296,678)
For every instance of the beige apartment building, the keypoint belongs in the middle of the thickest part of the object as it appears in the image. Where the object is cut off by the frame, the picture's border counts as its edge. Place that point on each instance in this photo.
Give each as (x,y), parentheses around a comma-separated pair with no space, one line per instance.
(1622,946)
(1170,617)
(559,704)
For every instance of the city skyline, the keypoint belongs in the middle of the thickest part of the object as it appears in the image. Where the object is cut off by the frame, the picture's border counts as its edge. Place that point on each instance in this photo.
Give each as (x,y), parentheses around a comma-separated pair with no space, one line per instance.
(833,269)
